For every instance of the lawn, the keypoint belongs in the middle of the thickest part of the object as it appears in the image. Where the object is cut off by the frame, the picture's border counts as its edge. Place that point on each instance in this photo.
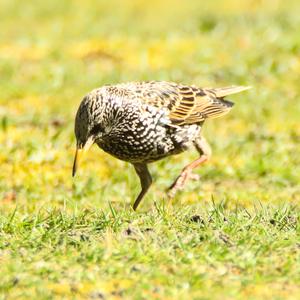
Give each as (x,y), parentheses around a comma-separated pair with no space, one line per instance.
(233,235)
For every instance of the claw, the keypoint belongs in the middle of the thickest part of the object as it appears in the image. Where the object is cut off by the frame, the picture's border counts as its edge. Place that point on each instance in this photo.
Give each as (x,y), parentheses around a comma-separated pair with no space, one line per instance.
(180,182)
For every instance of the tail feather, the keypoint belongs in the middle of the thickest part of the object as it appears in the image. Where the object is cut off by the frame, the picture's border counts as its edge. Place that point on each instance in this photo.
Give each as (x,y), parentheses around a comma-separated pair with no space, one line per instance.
(225,91)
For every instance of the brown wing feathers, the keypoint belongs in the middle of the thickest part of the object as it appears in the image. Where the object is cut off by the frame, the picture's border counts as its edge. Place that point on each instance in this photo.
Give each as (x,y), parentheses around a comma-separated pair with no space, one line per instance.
(194,105)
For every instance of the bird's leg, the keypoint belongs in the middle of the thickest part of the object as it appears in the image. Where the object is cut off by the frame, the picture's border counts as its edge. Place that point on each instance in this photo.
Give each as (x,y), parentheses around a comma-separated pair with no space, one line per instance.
(146,180)
(205,153)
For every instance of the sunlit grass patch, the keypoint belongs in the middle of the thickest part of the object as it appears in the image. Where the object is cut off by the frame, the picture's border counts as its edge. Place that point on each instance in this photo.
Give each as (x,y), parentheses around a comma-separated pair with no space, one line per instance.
(243,248)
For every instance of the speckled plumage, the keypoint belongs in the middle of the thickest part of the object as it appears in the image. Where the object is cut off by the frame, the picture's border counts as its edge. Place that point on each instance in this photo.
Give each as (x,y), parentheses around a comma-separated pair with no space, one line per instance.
(141,122)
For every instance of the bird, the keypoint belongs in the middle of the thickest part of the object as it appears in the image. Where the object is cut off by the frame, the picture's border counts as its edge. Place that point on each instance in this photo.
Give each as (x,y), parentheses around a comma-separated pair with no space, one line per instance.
(143,122)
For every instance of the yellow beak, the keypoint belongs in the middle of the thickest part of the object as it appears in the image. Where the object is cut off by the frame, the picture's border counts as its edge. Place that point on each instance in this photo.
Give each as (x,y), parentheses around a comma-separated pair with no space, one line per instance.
(79,152)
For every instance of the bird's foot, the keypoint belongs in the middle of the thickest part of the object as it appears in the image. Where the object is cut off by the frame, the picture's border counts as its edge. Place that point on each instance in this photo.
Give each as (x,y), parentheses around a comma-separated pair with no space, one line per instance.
(194,177)
(180,182)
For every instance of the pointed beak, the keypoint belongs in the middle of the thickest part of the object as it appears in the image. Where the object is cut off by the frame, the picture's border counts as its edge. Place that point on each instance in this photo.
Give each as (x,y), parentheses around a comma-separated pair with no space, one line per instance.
(79,153)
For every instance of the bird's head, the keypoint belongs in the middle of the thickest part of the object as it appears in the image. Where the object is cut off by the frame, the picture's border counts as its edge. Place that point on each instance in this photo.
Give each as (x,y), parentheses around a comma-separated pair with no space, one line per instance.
(88,128)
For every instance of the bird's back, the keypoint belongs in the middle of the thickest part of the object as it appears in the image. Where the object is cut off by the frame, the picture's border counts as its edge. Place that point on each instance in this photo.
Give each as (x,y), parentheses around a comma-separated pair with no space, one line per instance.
(183,104)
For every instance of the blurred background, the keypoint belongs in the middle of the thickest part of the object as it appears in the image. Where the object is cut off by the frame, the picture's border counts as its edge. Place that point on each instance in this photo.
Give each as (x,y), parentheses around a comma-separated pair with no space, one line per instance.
(53,52)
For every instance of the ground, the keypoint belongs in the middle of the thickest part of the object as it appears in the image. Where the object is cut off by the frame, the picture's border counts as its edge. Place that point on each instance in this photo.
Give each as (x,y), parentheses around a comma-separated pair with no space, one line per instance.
(235,234)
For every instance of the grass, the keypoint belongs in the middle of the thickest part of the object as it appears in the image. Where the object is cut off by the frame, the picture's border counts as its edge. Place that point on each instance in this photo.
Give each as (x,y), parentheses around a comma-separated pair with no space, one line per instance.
(166,253)
(234,235)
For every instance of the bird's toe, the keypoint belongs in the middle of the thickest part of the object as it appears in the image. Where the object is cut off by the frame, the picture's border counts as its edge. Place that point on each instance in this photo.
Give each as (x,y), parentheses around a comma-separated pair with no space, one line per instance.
(194,177)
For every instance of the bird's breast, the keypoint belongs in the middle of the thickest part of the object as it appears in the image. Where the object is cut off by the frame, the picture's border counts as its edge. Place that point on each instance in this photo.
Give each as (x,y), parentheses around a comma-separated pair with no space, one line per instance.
(145,136)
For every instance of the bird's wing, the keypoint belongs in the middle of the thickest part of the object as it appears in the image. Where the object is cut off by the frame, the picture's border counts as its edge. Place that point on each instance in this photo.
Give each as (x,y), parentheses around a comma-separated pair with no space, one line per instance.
(185,104)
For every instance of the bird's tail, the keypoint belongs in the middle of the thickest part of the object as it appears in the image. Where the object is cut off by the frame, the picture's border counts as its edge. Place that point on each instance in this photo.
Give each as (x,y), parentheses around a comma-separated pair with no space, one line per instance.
(225,91)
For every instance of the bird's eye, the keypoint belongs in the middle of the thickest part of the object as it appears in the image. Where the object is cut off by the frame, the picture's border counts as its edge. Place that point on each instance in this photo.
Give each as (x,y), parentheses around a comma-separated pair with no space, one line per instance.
(96,129)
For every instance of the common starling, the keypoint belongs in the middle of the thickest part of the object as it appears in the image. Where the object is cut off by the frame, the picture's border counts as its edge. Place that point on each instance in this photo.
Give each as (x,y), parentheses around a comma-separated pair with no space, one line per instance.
(142,122)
